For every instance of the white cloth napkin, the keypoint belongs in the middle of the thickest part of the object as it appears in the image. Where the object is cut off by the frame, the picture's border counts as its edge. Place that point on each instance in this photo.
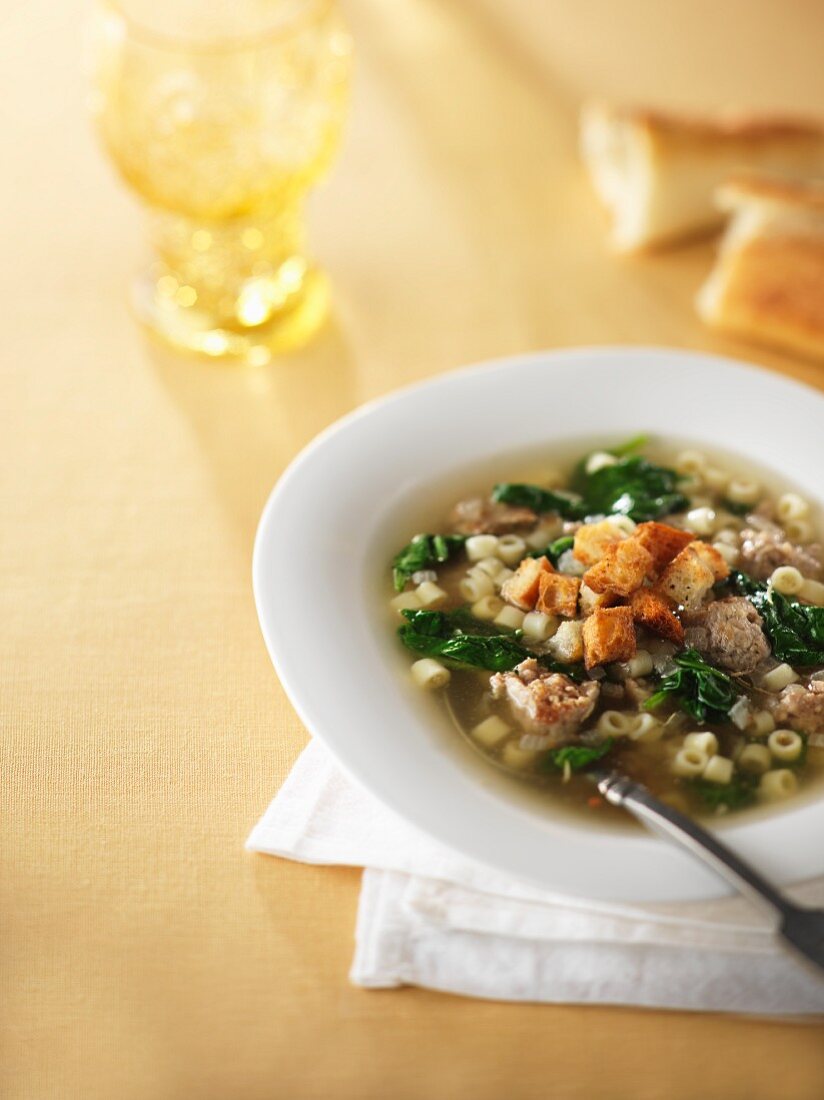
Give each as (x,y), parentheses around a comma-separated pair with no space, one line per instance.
(430,917)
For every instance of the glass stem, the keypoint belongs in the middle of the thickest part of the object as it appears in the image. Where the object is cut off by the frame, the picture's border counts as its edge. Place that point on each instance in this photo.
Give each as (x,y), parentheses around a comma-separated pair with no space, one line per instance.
(232,274)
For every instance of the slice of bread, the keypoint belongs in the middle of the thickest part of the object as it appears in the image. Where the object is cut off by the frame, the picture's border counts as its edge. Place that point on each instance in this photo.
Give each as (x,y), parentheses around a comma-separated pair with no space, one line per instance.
(657,172)
(768,281)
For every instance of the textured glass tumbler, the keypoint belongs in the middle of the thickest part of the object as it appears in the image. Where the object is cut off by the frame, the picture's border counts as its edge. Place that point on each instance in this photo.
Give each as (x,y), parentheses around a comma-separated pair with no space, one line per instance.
(221,115)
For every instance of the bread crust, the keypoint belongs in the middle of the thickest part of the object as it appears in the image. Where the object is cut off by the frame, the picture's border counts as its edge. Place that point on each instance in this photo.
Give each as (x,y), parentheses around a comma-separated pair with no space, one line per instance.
(657,171)
(743,129)
(768,281)
(802,195)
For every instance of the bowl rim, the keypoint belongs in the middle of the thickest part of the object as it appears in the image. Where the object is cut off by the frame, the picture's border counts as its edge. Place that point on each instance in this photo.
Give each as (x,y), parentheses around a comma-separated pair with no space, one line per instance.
(671,876)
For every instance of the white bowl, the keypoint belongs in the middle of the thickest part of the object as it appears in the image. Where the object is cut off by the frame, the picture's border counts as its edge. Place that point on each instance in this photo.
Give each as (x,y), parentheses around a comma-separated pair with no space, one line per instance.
(355,494)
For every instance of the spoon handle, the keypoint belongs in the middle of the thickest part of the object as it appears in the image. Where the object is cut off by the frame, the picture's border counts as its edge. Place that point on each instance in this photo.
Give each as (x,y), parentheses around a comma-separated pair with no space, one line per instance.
(802,928)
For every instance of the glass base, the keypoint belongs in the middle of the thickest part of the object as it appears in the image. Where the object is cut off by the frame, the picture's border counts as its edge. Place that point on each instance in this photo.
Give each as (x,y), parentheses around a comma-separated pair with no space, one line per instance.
(272,314)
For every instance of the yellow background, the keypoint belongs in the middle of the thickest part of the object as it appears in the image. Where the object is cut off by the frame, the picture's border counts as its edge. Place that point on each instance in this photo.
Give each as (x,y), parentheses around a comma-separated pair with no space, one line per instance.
(143,953)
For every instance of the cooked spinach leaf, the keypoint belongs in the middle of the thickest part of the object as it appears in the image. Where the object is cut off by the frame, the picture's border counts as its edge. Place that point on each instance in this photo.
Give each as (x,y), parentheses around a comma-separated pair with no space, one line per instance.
(702,691)
(538,499)
(795,630)
(633,487)
(579,756)
(440,634)
(736,507)
(559,547)
(431,624)
(461,618)
(554,550)
(423,552)
(736,794)
(458,637)
(631,445)
(578,479)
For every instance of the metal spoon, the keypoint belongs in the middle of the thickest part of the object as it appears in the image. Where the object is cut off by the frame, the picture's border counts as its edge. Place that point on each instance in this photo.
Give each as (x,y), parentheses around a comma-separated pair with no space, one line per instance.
(802,929)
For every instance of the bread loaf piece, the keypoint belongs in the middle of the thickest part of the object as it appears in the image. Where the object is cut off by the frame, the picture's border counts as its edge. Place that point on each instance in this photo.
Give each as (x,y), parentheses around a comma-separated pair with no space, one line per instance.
(657,172)
(768,281)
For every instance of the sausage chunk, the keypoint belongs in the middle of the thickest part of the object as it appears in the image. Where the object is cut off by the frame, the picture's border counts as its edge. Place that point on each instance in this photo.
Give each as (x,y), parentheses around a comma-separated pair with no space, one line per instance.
(546,703)
(480,516)
(764,549)
(728,633)
(802,709)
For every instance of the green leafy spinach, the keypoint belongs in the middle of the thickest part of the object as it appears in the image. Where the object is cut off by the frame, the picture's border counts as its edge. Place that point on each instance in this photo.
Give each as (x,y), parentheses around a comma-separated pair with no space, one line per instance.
(795,630)
(736,794)
(702,691)
(630,447)
(554,550)
(423,552)
(578,757)
(458,637)
(737,507)
(633,486)
(538,499)
(442,634)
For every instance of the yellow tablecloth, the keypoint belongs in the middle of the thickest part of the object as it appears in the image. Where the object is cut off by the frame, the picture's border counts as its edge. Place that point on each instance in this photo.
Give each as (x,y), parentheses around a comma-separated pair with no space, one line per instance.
(143,953)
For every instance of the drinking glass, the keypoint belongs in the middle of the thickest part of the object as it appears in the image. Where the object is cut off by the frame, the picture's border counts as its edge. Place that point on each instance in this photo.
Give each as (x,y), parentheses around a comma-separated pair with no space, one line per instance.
(221,114)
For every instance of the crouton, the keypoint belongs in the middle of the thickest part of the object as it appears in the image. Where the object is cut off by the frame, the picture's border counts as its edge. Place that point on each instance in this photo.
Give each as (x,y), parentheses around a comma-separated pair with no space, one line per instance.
(558,595)
(688,577)
(592,541)
(608,635)
(589,600)
(662,541)
(522,589)
(710,557)
(651,610)
(566,644)
(622,569)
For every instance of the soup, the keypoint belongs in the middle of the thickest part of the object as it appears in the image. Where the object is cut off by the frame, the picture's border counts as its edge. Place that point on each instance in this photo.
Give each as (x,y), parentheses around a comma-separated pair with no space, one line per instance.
(661,616)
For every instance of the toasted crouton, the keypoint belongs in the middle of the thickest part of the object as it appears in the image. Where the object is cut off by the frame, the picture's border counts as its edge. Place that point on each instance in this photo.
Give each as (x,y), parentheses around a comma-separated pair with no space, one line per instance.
(608,635)
(651,610)
(688,577)
(558,595)
(710,556)
(522,589)
(662,541)
(622,569)
(589,600)
(592,541)
(566,643)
